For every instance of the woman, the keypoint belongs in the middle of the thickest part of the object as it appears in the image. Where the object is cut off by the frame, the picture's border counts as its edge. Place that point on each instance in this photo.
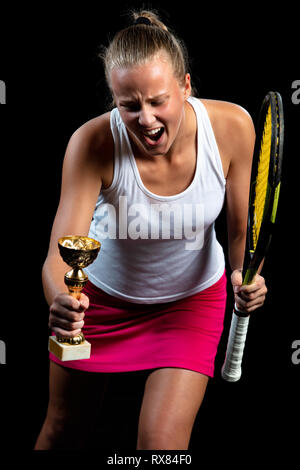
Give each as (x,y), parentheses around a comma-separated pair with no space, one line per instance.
(152,176)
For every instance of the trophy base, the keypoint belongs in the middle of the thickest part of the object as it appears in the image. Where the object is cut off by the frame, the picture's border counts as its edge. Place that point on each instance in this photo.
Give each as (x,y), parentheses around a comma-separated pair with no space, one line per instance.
(69,352)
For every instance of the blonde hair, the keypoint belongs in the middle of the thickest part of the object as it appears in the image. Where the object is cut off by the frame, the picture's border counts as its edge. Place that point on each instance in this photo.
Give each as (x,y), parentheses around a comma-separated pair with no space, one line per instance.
(138,43)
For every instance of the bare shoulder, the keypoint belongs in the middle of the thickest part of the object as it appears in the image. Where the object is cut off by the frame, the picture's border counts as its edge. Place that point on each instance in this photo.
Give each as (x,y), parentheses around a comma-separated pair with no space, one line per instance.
(83,175)
(228,114)
(91,149)
(94,137)
(233,128)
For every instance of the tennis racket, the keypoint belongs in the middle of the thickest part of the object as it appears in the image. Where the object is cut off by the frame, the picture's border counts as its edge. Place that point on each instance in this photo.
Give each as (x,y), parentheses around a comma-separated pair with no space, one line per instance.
(263,202)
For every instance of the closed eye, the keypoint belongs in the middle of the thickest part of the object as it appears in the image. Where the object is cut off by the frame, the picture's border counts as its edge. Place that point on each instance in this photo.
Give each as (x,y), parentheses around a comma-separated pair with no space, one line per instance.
(157,103)
(134,107)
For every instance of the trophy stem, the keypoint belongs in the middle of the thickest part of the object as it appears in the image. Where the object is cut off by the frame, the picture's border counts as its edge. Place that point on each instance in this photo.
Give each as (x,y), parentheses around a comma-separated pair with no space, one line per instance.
(75,280)
(75,292)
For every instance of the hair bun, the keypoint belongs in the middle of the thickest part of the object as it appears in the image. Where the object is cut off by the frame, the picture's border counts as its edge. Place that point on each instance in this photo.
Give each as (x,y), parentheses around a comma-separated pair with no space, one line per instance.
(143,15)
(143,20)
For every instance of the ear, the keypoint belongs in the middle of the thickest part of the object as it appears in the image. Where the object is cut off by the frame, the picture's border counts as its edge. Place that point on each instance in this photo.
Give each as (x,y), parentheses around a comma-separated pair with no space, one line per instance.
(187,86)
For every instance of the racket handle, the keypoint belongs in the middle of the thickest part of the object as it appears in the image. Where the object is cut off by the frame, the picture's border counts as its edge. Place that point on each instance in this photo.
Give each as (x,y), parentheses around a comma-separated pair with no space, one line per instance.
(232,367)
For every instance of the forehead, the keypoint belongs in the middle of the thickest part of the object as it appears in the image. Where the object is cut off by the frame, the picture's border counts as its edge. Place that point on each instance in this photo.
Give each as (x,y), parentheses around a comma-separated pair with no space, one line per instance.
(151,78)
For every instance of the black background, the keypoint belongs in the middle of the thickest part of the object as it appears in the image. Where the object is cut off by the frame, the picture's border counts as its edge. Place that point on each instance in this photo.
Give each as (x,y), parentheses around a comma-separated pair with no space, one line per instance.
(54,84)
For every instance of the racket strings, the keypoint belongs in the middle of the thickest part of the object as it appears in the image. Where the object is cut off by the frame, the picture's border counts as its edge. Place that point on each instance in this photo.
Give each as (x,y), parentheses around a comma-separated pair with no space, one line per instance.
(261,183)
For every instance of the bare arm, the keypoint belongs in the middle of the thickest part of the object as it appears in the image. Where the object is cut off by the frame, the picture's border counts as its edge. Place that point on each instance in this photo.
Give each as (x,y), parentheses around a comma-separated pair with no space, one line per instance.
(81,184)
(235,136)
(242,138)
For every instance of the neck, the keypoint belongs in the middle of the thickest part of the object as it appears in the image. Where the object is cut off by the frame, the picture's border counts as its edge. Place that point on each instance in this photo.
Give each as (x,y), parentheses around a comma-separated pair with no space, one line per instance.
(186,133)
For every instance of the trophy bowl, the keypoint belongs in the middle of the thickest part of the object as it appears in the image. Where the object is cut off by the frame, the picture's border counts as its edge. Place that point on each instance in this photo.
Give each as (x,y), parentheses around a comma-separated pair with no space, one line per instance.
(78,251)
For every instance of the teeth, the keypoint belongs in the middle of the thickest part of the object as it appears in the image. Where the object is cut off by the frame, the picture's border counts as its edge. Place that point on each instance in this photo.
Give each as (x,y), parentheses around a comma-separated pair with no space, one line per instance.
(155,131)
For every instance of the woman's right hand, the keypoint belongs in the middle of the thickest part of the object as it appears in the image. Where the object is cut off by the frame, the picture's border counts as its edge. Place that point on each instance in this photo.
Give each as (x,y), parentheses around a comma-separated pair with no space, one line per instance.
(67,314)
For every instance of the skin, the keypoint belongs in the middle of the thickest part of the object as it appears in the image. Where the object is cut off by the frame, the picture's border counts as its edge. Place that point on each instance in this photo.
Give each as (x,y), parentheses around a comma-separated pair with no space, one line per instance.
(148,96)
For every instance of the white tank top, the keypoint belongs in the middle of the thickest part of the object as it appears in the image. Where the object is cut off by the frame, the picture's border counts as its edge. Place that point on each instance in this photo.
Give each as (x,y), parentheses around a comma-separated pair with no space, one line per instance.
(159,248)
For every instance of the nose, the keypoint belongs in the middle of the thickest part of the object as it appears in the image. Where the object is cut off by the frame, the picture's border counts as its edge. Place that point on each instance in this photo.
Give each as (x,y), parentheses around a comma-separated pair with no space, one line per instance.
(146,117)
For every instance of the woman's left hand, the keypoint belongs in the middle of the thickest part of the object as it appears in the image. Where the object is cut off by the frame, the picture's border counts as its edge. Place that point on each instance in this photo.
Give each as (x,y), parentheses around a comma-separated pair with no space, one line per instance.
(248,297)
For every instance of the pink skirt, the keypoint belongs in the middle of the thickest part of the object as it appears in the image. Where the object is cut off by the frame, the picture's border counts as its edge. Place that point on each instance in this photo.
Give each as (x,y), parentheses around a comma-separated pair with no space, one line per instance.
(126,336)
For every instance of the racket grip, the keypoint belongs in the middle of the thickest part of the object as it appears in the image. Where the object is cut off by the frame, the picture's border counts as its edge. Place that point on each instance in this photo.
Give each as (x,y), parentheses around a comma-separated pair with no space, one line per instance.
(232,367)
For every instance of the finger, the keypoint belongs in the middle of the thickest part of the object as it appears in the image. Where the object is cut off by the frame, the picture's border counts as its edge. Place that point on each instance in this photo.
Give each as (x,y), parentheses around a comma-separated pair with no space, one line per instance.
(252,295)
(248,296)
(255,307)
(257,283)
(64,313)
(249,305)
(69,334)
(72,303)
(250,299)
(248,309)
(67,301)
(64,324)
(253,286)
(84,301)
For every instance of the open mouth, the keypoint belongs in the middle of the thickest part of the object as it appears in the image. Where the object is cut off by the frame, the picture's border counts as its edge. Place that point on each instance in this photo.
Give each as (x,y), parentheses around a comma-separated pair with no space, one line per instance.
(154,135)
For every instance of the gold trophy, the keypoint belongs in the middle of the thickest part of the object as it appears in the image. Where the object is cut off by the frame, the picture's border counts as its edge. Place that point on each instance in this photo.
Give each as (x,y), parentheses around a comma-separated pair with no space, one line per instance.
(78,252)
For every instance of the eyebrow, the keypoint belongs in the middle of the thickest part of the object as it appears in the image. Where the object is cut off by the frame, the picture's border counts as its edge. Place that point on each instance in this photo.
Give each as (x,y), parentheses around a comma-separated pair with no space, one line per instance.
(151,98)
(161,95)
